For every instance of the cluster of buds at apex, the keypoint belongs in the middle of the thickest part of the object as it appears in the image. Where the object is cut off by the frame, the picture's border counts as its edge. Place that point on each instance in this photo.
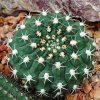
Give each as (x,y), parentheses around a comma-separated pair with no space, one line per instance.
(50,56)
(38,33)
(48,29)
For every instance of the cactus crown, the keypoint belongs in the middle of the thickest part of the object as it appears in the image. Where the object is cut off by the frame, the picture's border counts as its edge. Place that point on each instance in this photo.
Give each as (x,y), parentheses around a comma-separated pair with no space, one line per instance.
(51,52)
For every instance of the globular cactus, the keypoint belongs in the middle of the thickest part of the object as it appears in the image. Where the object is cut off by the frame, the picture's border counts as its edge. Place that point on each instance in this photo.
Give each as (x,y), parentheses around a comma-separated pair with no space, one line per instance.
(8,91)
(51,53)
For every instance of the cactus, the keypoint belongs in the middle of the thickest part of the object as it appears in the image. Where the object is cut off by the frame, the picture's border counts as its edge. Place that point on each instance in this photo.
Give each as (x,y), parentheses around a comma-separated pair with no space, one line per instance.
(51,53)
(8,91)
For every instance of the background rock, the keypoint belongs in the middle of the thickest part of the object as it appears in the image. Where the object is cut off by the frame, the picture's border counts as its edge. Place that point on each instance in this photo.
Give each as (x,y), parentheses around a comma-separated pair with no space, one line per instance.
(88,9)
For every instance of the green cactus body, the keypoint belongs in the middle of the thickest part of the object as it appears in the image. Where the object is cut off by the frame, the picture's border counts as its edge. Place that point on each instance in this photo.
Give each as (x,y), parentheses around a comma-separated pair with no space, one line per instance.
(51,52)
(8,91)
